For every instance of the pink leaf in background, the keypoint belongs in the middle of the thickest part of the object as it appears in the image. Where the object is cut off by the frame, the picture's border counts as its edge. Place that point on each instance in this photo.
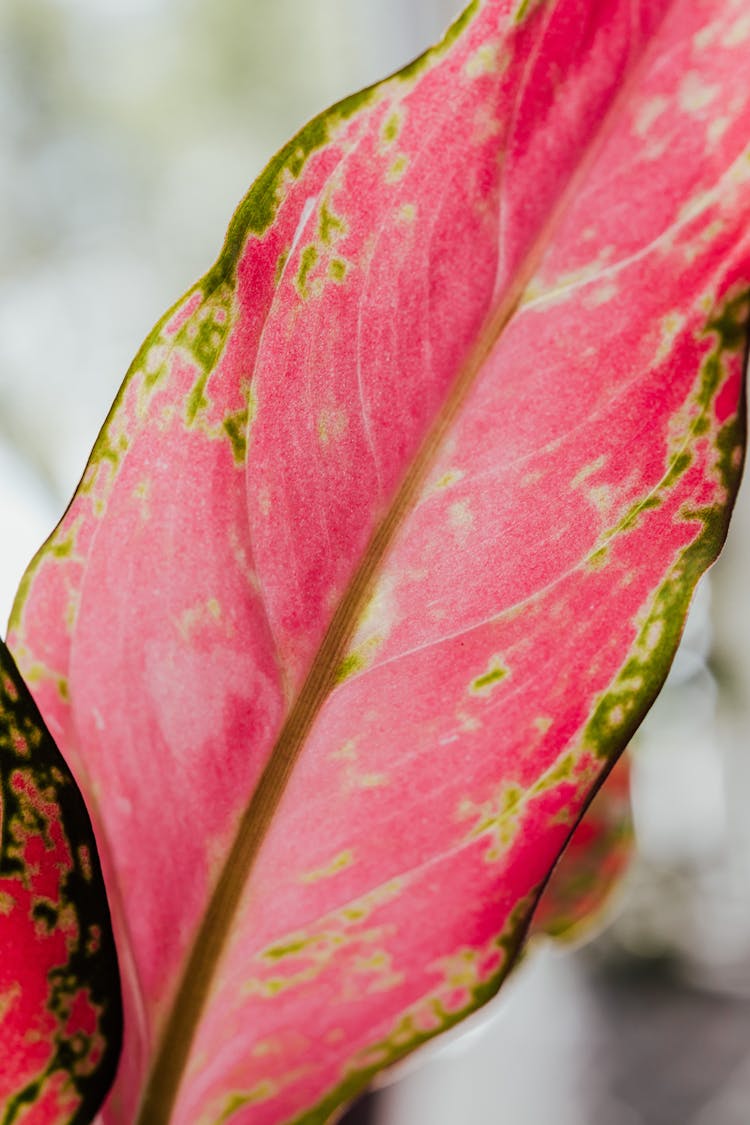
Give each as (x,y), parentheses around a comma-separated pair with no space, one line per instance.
(60,1014)
(387,544)
(590,870)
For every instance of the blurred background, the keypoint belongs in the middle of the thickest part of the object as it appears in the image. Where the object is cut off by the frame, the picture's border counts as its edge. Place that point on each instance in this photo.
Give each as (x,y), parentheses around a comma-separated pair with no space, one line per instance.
(129,131)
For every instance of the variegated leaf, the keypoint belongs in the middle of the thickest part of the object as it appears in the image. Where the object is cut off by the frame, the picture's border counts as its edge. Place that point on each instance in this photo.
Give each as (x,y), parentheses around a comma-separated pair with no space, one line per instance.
(60,1012)
(387,544)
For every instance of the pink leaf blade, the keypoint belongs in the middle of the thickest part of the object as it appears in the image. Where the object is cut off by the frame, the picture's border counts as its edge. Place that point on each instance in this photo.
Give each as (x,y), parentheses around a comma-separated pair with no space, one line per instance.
(60,1010)
(437,458)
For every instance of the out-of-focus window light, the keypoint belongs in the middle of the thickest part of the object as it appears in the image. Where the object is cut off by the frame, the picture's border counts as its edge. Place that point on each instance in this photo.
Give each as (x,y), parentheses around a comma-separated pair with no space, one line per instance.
(27,515)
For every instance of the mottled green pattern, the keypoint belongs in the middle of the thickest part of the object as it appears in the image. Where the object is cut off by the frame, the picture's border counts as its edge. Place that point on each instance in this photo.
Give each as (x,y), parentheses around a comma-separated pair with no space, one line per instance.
(622,709)
(408,1036)
(649,663)
(41,803)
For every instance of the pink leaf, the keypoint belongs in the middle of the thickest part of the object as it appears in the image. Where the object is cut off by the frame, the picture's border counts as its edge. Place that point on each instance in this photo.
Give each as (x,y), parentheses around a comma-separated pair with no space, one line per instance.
(590,870)
(387,544)
(60,1015)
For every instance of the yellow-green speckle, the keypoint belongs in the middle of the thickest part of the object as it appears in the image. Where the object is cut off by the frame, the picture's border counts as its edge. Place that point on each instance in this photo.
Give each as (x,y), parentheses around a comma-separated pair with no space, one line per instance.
(485,60)
(349,666)
(338,269)
(259,1093)
(497,819)
(392,127)
(307,262)
(494,675)
(331,227)
(339,863)
(398,168)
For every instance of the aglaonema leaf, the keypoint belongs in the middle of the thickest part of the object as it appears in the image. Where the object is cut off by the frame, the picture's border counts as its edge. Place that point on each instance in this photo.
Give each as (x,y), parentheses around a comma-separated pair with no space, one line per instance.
(387,544)
(579,894)
(60,1012)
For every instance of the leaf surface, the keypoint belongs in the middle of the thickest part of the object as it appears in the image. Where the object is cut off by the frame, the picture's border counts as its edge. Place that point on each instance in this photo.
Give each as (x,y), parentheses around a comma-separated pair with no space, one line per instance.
(60,1013)
(387,544)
